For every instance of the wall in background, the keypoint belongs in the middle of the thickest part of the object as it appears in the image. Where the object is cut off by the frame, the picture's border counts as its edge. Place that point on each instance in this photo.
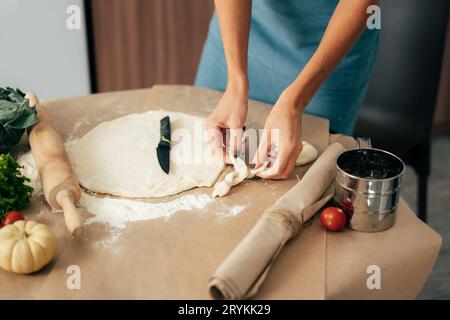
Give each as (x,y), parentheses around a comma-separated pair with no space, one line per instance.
(139,43)
(38,51)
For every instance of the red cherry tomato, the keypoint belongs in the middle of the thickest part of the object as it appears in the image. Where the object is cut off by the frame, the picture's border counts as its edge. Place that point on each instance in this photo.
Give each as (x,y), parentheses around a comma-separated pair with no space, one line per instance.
(12,216)
(333,219)
(347,206)
(1,223)
(347,203)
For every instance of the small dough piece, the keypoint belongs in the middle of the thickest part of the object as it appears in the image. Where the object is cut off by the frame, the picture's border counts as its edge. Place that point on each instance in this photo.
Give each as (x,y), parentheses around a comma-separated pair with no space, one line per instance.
(222,188)
(240,173)
(252,173)
(308,154)
(229,178)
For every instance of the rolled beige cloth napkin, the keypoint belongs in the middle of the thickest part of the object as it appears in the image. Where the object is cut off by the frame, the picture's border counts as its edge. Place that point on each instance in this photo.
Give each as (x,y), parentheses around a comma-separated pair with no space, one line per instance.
(244,270)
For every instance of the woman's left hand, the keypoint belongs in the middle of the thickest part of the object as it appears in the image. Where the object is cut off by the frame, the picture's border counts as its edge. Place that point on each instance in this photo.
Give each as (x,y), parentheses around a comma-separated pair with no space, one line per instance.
(281,139)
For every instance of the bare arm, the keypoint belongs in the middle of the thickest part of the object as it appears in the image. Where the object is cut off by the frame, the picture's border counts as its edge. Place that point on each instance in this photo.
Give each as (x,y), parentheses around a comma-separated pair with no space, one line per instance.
(234,20)
(344,29)
(231,111)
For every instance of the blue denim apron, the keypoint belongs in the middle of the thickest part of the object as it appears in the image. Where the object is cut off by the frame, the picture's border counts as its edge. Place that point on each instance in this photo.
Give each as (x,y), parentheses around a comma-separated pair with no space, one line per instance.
(283,37)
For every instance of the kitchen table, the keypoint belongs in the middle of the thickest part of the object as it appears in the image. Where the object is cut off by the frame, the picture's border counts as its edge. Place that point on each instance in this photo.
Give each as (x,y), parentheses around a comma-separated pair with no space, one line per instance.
(173,258)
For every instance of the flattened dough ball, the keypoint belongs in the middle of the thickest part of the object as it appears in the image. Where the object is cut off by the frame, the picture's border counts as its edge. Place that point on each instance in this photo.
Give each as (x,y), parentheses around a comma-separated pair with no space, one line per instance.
(308,154)
(119,157)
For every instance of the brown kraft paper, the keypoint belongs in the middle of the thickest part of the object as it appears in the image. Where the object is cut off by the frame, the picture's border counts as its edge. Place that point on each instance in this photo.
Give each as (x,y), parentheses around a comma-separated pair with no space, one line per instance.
(244,270)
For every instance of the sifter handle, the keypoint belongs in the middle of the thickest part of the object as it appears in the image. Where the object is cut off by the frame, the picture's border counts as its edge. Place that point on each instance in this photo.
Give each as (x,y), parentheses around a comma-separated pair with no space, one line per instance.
(364,143)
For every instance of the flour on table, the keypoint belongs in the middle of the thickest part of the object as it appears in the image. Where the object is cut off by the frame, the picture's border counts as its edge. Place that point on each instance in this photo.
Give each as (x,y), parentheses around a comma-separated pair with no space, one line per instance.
(116,213)
(119,158)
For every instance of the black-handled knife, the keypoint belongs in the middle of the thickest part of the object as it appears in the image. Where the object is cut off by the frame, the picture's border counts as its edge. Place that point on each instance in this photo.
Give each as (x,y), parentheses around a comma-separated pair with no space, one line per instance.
(163,149)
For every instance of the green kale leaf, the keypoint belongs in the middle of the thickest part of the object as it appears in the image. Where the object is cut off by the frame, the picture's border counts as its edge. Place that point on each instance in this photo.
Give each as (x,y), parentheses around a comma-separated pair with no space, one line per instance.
(16,115)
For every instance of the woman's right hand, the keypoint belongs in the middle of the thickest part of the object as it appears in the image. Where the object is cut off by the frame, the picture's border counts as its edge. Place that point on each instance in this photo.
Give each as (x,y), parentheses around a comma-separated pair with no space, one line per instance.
(229,114)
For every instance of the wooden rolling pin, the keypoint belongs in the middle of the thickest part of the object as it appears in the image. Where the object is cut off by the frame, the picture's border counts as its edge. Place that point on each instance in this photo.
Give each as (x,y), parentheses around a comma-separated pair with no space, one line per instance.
(60,185)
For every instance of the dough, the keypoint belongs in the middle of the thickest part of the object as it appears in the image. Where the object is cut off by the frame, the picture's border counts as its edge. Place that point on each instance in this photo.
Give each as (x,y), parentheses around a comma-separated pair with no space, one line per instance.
(234,178)
(119,157)
(308,154)
(221,188)
(241,171)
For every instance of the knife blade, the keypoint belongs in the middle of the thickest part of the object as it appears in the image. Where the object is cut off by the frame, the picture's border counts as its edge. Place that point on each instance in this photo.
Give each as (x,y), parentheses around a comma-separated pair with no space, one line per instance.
(163,149)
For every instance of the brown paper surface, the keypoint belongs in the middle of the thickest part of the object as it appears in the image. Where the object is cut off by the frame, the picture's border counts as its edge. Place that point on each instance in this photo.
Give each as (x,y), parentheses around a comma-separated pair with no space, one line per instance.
(73,117)
(165,258)
(245,269)
(405,255)
(174,258)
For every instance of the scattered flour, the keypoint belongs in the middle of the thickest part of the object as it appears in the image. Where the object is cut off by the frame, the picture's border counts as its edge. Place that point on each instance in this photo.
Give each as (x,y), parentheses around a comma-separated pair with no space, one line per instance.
(234,211)
(116,213)
(114,235)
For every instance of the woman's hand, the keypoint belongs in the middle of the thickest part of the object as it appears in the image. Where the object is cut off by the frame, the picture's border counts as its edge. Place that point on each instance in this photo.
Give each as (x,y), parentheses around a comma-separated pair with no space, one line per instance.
(281,139)
(230,113)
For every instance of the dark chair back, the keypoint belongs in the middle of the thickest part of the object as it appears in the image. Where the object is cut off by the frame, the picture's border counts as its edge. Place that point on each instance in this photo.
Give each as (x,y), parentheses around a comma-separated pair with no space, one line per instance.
(399,108)
(403,89)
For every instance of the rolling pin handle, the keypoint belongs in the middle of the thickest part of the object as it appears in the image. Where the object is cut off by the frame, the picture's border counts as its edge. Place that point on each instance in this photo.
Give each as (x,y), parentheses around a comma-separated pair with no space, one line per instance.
(73,219)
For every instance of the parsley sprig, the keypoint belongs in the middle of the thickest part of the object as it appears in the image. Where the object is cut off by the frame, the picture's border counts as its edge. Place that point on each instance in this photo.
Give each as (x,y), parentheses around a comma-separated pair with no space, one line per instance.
(14,193)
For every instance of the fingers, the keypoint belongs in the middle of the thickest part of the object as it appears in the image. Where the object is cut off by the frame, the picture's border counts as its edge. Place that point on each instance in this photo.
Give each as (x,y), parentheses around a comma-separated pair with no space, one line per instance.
(289,168)
(236,141)
(283,164)
(225,142)
(277,169)
(214,138)
(262,153)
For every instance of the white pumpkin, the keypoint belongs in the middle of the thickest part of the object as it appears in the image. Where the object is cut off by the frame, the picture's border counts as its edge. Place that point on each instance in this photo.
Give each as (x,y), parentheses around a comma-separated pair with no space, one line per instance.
(26,246)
